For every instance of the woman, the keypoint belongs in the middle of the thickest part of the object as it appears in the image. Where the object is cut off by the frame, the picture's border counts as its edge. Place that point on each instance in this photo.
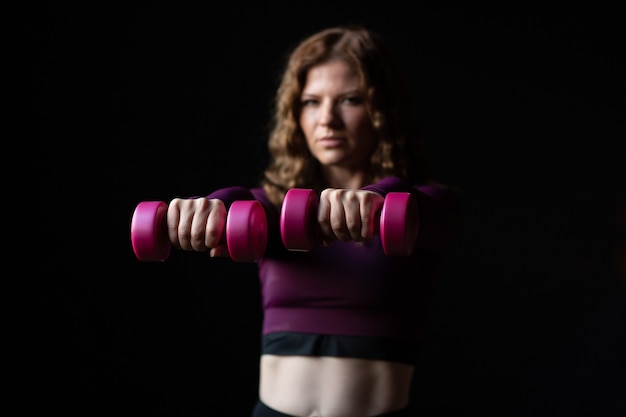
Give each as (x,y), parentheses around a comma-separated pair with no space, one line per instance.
(342,322)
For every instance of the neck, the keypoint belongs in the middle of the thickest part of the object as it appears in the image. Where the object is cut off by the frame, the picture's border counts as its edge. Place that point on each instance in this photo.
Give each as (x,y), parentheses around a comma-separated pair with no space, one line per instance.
(344,178)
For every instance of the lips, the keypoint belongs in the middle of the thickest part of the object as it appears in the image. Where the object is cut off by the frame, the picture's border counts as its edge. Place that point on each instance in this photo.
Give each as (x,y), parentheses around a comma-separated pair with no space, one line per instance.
(331,141)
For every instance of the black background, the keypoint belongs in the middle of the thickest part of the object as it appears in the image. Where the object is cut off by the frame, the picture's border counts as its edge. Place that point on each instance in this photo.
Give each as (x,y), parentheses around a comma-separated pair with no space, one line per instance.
(523,107)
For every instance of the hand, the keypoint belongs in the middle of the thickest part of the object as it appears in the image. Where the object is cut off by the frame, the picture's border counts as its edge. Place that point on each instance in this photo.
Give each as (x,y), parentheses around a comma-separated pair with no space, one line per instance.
(198,224)
(348,215)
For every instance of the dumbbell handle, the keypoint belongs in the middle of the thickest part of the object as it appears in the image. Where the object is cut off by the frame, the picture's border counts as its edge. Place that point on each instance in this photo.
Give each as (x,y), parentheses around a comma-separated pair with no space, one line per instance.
(300,232)
(246,231)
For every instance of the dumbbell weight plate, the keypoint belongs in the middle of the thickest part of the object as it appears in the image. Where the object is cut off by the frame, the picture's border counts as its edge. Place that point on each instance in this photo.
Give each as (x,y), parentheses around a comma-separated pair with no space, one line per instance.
(149,232)
(397,223)
(298,226)
(246,230)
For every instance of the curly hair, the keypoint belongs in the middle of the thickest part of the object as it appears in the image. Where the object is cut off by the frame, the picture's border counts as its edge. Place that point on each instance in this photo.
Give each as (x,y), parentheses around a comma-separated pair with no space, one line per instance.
(399,150)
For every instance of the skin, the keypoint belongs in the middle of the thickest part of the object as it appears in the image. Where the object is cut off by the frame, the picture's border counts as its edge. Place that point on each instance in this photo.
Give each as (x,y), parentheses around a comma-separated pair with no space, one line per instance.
(333,387)
(334,119)
(340,135)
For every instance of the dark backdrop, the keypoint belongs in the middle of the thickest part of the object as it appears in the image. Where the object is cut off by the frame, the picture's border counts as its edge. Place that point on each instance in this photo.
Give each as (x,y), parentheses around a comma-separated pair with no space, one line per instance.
(522,105)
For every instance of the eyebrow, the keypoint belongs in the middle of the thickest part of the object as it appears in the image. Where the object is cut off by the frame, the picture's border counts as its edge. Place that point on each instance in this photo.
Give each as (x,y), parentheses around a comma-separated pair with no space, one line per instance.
(347,93)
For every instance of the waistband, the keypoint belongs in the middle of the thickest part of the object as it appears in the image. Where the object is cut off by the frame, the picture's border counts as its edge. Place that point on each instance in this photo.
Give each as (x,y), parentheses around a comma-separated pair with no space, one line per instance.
(361,347)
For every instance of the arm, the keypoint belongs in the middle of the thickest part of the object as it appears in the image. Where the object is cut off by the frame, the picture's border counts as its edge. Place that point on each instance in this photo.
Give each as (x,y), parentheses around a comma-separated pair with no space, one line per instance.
(229,195)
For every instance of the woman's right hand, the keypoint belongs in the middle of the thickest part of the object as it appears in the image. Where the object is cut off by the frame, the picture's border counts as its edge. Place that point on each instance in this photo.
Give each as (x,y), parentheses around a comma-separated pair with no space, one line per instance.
(197,224)
(346,215)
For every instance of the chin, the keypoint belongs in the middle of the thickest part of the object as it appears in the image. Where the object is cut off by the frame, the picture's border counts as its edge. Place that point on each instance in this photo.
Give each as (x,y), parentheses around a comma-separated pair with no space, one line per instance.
(329,162)
(331,158)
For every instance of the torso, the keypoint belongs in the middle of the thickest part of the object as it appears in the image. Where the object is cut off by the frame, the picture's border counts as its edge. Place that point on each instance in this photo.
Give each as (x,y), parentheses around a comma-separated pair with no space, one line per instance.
(344,290)
(308,386)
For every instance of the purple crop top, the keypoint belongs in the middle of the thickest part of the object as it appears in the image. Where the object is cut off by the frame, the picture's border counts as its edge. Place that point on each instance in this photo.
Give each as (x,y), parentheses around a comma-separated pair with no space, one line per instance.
(350,290)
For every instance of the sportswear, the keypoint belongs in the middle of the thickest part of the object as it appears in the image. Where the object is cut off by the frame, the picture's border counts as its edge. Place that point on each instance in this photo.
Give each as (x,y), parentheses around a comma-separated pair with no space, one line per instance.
(347,290)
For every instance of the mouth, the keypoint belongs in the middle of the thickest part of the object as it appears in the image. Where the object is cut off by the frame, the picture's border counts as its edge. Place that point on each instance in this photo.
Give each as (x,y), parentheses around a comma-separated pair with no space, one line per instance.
(331,141)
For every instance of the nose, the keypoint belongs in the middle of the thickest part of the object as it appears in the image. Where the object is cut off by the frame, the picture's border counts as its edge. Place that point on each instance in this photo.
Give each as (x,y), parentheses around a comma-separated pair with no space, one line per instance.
(328,114)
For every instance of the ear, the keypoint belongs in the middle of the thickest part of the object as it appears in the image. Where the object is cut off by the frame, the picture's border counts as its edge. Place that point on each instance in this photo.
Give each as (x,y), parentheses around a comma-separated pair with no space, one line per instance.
(377,119)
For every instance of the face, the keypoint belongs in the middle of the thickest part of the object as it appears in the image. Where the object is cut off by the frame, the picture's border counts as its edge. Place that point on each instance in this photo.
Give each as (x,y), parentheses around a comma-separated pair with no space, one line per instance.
(334,117)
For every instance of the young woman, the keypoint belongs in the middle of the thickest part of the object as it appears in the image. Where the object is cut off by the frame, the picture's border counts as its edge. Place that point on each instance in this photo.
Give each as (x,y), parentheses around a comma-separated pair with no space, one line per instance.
(342,322)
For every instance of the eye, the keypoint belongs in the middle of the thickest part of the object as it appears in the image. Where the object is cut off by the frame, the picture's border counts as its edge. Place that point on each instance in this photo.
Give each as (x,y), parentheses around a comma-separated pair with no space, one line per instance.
(308,102)
(354,100)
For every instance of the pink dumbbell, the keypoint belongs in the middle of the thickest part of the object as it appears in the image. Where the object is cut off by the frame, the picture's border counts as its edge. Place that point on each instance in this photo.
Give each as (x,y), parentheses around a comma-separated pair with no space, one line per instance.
(246,231)
(299,230)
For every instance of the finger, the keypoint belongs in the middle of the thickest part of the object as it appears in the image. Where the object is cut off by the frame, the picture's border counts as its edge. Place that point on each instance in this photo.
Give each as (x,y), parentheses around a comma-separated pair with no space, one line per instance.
(173,220)
(199,224)
(370,206)
(208,224)
(215,226)
(323,217)
(338,216)
(352,216)
(220,251)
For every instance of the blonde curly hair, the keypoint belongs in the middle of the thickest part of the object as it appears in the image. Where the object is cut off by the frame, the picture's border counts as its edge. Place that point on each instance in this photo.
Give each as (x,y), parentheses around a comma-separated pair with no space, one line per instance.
(399,151)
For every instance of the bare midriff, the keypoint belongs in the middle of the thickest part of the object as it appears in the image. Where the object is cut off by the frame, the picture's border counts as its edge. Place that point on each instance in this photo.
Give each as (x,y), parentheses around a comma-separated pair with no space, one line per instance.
(309,386)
